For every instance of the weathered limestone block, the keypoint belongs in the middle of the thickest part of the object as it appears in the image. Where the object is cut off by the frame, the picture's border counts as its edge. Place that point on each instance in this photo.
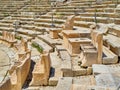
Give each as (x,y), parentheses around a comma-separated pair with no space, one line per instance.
(89,70)
(65,83)
(92,53)
(113,43)
(54,33)
(99,1)
(8,38)
(90,57)
(74,44)
(69,23)
(66,66)
(22,47)
(97,40)
(6,85)
(93,27)
(41,71)
(109,57)
(12,36)
(8,35)
(74,34)
(117,10)
(79,71)
(53,81)
(4,34)
(19,72)
(107,75)
(59,48)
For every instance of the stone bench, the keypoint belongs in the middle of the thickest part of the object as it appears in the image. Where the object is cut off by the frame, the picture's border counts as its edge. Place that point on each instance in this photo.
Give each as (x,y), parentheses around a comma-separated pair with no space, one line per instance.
(41,71)
(109,57)
(114,30)
(43,45)
(92,53)
(52,42)
(65,83)
(113,43)
(19,71)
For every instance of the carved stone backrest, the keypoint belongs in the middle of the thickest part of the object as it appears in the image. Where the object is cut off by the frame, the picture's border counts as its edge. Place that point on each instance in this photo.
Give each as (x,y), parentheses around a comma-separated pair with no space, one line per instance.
(23,45)
(4,34)
(69,23)
(45,59)
(13,36)
(97,41)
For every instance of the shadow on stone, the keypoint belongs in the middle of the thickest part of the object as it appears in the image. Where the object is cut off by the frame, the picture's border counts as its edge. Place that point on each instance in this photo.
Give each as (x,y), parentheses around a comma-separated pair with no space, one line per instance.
(52,72)
(29,78)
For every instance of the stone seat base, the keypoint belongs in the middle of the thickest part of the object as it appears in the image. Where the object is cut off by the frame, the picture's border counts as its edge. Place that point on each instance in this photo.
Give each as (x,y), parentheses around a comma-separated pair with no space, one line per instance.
(89,55)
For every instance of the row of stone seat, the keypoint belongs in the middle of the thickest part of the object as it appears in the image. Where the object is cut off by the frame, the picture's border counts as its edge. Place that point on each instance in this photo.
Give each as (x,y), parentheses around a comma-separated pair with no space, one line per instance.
(10,7)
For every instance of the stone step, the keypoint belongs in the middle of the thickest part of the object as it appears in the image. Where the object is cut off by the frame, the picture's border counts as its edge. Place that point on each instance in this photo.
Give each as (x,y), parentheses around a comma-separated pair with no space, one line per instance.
(117,21)
(56,16)
(78,70)
(102,14)
(93,5)
(70,7)
(28,32)
(6,29)
(26,19)
(98,19)
(5,25)
(7,21)
(82,24)
(47,24)
(109,10)
(79,10)
(44,29)
(21,16)
(82,28)
(57,21)
(29,27)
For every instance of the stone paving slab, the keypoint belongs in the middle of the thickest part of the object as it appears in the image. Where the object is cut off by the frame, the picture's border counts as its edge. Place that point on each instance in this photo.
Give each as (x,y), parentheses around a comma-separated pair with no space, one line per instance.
(64,83)
(107,75)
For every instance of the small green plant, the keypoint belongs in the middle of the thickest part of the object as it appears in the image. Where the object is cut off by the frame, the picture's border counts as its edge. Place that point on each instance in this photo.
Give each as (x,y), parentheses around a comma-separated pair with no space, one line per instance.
(5,14)
(0,34)
(38,47)
(61,15)
(18,37)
